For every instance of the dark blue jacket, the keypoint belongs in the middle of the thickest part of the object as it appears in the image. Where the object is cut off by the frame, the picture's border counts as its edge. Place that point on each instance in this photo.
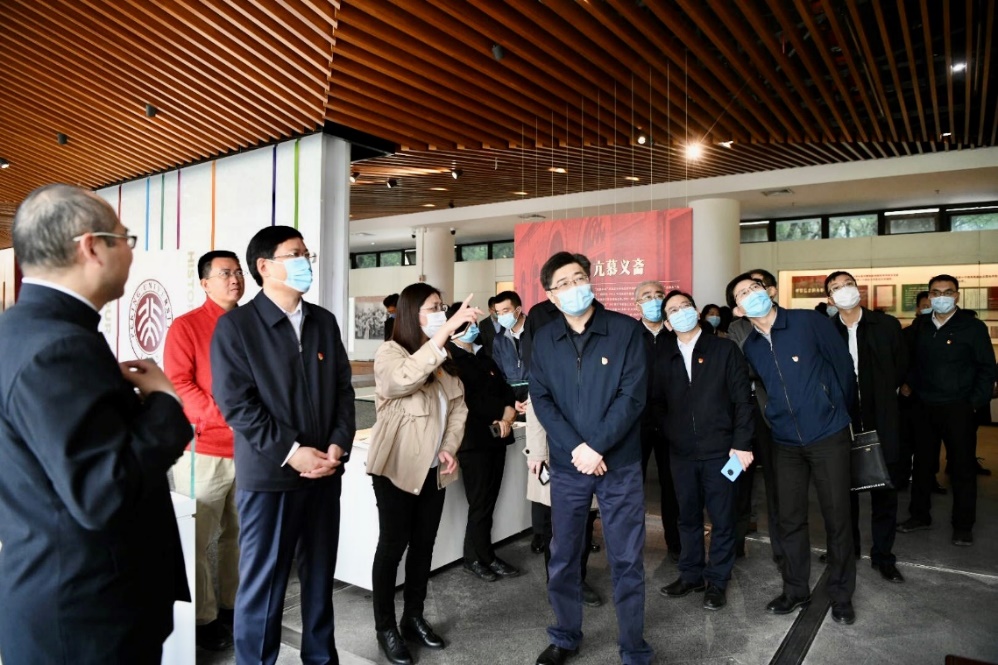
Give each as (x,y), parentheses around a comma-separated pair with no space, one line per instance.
(595,398)
(704,418)
(274,391)
(514,363)
(808,374)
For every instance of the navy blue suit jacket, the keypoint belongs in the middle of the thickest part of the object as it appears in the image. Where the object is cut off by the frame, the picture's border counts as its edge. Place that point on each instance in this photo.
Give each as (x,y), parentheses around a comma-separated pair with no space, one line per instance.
(91,562)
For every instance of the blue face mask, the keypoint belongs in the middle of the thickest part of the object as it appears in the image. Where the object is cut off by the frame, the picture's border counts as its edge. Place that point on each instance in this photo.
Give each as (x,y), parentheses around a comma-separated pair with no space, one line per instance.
(507,320)
(576,300)
(832,311)
(757,304)
(926,310)
(715,321)
(684,320)
(470,334)
(943,304)
(299,274)
(652,310)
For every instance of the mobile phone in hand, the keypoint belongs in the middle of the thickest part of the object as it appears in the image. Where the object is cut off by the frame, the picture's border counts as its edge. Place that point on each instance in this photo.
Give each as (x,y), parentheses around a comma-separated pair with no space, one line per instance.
(545,474)
(496,430)
(732,469)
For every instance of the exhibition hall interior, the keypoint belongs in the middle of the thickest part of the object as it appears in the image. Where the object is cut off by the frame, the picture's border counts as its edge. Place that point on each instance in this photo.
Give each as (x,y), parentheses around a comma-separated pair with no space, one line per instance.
(461,144)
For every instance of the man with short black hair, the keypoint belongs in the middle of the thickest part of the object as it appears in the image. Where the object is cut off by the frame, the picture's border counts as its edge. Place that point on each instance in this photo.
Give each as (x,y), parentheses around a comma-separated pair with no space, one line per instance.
(281,377)
(508,348)
(588,390)
(810,380)
(91,564)
(187,363)
(880,361)
(390,302)
(953,372)
(488,328)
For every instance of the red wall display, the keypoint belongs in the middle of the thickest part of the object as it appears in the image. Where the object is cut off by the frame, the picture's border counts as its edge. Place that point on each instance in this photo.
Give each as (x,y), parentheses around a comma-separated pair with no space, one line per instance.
(624,249)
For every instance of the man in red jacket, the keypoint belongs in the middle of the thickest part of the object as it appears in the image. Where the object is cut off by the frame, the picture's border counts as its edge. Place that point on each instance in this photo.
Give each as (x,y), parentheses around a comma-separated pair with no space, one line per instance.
(188,366)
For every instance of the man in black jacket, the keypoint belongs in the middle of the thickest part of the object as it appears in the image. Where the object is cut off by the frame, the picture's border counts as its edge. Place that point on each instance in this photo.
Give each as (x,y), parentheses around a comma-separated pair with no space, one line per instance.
(953,373)
(488,328)
(702,391)
(281,377)
(881,361)
(390,303)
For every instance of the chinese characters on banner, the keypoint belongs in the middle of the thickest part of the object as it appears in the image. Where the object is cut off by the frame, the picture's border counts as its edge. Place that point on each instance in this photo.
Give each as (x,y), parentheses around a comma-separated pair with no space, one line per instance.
(624,249)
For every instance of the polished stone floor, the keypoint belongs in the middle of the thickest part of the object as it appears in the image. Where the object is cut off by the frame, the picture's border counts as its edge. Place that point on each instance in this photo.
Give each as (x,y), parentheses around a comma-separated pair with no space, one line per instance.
(948,605)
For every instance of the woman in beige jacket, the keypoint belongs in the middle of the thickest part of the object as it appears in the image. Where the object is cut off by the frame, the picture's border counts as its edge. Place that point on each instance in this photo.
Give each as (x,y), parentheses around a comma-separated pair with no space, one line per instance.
(412,457)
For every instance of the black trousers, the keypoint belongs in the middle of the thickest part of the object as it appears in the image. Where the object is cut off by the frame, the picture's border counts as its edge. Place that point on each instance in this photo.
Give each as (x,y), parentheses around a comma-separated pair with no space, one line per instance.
(405,520)
(955,424)
(763,450)
(590,525)
(653,441)
(827,462)
(700,484)
(482,471)
(883,519)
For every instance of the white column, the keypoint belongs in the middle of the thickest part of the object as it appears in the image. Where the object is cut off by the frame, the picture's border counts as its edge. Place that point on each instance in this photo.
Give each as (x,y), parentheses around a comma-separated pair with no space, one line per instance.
(333,267)
(716,248)
(435,258)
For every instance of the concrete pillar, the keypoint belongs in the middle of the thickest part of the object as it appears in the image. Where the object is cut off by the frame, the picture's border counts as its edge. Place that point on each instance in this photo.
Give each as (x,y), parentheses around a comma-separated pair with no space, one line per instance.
(716,248)
(435,259)
(333,267)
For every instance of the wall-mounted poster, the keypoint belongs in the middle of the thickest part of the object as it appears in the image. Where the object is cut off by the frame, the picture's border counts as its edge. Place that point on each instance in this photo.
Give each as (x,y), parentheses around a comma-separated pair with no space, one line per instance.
(884,297)
(369,316)
(908,294)
(809,286)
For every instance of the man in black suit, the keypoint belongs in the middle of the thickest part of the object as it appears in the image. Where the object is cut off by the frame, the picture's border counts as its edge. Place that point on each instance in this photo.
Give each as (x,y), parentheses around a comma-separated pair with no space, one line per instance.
(91,562)
(390,303)
(281,377)
(488,328)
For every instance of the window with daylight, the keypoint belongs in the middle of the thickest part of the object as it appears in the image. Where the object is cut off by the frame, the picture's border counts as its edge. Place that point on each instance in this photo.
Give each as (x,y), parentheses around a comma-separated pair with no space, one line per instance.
(754,231)
(798,229)
(852,226)
(502,250)
(366,260)
(976,222)
(474,252)
(391,258)
(914,222)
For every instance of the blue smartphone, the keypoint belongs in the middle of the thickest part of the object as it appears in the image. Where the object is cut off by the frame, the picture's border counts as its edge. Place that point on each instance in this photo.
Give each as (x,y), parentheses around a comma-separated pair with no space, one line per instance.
(732,469)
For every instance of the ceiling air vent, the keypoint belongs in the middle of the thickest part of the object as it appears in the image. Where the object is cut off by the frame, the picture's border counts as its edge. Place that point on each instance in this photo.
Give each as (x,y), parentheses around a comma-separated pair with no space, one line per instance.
(786,191)
(532,216)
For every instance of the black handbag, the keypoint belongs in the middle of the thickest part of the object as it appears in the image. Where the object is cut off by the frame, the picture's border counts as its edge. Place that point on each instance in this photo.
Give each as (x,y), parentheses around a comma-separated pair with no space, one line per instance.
(866,458)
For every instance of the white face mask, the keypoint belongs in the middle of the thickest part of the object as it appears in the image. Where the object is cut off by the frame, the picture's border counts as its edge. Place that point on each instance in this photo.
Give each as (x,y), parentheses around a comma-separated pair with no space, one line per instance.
(434,321)
(847,297)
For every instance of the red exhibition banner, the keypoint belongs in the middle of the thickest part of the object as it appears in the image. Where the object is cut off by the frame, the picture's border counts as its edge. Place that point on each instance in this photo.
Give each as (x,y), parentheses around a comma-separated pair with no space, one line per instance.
(624,249)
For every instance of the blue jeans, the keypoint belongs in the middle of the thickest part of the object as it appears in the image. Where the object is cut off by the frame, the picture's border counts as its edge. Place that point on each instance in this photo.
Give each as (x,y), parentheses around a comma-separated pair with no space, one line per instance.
(620,493)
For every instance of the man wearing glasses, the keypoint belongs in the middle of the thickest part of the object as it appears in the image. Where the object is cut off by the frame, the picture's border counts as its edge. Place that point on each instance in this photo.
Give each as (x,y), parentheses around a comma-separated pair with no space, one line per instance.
(281,378)
(809,378)
(588,388)
(648,297)
(953,373)
(187,363)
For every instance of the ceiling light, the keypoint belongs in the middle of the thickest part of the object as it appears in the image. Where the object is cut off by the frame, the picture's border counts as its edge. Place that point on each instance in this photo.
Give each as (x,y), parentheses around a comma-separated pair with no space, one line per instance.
(946,135)
(921,211)
(498,52)
(354,176)
(4,164)
(958,67)
(429,205)
(392,182)
(694,151)
(438,189)
(61,138)
(151,111)
(456,173)
(726,144)
(557,169)
(642,139)
(521,193)
(372,242)
(632,178)
(762,223)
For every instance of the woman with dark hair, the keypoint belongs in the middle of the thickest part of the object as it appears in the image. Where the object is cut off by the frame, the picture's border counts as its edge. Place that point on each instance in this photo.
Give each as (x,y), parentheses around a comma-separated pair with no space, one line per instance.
(488,431)
(711,315)
(420,423)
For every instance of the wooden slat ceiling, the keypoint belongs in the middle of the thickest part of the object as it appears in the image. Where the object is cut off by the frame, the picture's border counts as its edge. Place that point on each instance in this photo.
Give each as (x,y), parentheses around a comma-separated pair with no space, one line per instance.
(789,82)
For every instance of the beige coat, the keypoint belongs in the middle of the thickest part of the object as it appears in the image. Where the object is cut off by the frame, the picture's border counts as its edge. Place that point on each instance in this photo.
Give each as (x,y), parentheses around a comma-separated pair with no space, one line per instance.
(536,449)
(403,441)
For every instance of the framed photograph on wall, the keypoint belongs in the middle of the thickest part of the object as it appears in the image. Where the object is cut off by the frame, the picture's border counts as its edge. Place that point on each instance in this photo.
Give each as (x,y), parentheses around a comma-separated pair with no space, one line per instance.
(885,297)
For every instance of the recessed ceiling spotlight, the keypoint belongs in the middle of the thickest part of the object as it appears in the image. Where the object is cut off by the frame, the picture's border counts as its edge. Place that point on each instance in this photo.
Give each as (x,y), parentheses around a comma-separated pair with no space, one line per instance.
(429,205)
(726,144)
(557,169)
(372,242)
(632,178)
(498,52)
(958,67)
(151,111)
(946,135)
(520,193)
(694,151)
(438,189)
(642,139)
(61,138)
(354,176)
(4,164)
(392,182)
(456,173)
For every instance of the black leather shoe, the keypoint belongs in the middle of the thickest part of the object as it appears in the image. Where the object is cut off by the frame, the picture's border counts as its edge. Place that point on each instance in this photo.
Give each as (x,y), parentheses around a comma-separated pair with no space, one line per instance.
(740,549)
(590,598)
(913,524)
(213,636)
(480,570)
(416,629)
(963,538)
(555,655)
(393,647)
(503,569)
(714,598)
(537,544)
(889,572)
(680,588)
(783,604)
(823,558)
(843,613)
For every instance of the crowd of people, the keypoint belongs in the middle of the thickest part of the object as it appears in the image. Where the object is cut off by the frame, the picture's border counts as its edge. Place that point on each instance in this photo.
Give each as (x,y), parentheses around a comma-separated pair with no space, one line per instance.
(715,393)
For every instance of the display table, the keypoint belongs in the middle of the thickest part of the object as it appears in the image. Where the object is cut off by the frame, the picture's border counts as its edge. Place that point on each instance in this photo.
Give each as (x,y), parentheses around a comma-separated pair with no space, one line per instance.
(179,646)
(359,514)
